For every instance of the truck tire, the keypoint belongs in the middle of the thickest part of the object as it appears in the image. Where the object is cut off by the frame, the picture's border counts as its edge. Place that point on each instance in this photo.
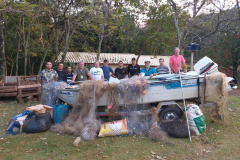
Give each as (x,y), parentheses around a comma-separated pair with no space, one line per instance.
(170,113)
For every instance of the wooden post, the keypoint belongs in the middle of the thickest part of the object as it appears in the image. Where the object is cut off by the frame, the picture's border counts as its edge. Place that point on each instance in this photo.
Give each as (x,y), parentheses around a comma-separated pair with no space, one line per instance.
(19,91)
(191,64)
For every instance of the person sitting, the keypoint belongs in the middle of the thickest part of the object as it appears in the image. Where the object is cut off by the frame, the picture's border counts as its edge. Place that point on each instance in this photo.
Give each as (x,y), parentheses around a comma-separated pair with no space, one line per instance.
(96,71)
(121,72)
(162,69)
(134,68)
(81,73)
(176,62)
(69,74)
(149,71)
(106,70)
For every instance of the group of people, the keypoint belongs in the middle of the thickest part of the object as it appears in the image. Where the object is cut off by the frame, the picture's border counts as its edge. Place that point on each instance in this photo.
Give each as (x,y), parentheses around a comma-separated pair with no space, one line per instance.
(81,73)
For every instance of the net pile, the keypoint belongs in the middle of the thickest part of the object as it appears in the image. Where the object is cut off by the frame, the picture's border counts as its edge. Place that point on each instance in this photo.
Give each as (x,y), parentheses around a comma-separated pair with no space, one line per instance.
(50,92)
(214,90)
(141,118)
(82,120)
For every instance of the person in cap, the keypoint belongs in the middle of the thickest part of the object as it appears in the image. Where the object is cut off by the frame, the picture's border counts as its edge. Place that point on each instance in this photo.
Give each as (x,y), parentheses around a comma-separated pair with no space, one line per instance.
(176,62)
(106,69)
(162,69)
(81,73)
(149,71)
(96,71)
(134,68)
(121,72)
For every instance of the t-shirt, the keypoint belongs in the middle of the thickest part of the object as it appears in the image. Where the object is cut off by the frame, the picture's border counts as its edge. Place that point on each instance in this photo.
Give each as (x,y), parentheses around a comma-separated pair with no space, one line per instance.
(47,76)
(96,73)
(106,71)
(162,70)
(175,60)
(69,77)
(81,75)
(61,75)
(133,70)
(149,72)
(121,73)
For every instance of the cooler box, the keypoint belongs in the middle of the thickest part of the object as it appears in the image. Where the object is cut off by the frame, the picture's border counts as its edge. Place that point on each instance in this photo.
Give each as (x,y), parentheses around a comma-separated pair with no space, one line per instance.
(60,112)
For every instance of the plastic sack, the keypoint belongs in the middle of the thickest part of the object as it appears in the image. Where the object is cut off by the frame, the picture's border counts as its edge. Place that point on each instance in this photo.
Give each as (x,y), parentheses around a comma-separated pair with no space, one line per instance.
(115,128)
(196,119)
(40,108)
(22,114)
(13,127)
(37,123)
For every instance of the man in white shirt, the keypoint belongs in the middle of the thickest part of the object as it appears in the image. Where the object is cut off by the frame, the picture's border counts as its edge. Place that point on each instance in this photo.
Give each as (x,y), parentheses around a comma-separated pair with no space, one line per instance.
(97,72)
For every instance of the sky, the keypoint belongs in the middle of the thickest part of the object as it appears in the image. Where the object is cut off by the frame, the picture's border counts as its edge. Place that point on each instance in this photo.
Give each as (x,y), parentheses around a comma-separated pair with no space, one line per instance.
(207,8)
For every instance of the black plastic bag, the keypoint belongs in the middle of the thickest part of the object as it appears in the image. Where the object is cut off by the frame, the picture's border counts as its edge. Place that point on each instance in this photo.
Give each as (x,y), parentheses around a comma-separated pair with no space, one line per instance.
(37,123)
(176,128)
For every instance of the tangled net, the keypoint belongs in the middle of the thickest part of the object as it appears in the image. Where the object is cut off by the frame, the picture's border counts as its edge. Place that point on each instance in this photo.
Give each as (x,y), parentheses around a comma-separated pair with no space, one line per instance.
(217,95)
(50,92)
(82,120)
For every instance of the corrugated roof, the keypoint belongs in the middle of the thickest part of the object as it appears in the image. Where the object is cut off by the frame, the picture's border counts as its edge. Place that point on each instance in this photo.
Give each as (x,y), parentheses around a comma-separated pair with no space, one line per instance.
(113,58)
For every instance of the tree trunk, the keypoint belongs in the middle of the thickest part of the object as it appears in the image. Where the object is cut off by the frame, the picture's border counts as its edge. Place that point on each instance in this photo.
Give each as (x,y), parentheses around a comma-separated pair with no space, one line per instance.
(68,39)
(29,64)
(2,51)
(43,57)
(100,41)
(140,53)
(19,45)
(26,46)
(56,43)
(32,69)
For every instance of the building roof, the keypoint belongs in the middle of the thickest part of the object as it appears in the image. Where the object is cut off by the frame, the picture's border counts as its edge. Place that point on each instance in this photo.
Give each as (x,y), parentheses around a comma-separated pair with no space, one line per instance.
(113,58)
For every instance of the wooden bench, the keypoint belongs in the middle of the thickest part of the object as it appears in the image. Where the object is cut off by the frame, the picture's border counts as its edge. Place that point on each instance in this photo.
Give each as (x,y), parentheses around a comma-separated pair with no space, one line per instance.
(21,86)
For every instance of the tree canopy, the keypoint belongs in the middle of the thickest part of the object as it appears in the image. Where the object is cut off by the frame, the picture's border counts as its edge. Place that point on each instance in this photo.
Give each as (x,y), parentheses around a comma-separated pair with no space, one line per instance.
(33,31)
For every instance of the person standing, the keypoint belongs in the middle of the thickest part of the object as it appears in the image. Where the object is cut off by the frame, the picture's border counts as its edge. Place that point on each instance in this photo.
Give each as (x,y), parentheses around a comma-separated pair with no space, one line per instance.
(61,72)
(47,75)
(149,71)
(96,71)
(162,69)
(81,73)
(106,69)
(69,74)
(176,62)
(121,72)
(134,68)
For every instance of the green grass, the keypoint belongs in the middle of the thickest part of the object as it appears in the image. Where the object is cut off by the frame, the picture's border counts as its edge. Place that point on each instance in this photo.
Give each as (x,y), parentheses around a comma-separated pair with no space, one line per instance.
(220,141)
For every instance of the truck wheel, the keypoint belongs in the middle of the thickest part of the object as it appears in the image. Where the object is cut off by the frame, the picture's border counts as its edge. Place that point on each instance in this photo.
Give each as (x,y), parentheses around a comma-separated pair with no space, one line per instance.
(170,113)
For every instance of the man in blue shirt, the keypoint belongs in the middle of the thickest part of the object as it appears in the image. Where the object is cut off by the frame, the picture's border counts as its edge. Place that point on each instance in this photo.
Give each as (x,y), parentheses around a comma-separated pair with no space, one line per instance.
(69,74)
(106,70)
(149,71)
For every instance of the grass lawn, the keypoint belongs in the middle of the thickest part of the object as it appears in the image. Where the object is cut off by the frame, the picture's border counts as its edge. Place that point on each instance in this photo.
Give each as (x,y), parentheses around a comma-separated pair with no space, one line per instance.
(220,141)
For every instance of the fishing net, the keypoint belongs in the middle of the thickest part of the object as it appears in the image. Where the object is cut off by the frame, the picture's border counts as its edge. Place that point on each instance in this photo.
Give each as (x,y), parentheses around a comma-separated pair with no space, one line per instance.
(214,92)
(82,120)
(50,92)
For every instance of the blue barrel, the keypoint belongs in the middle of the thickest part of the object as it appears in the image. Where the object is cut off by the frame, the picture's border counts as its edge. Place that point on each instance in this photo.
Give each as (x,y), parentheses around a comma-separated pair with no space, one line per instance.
(60,112)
